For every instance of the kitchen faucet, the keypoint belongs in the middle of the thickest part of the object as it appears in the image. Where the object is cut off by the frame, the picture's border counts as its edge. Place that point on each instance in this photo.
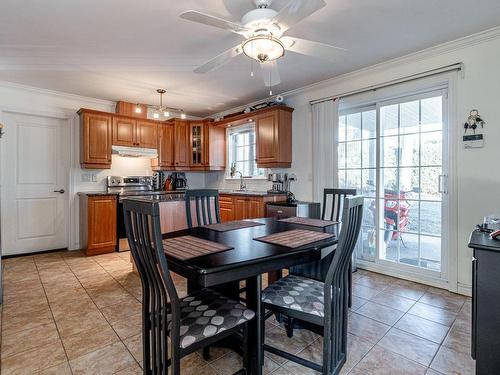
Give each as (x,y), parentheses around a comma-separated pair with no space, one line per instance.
(233,172)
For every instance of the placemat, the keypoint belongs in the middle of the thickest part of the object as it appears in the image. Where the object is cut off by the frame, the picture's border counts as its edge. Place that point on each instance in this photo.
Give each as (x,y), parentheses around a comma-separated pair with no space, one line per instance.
(308,221)
(187,247)
(294,238)
(232,225)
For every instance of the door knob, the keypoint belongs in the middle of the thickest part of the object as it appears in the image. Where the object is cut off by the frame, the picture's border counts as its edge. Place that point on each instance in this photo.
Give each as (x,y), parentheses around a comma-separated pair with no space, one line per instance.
(60,191)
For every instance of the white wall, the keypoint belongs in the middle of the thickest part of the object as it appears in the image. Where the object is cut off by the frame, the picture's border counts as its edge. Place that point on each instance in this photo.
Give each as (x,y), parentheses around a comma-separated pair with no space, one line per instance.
(478,183)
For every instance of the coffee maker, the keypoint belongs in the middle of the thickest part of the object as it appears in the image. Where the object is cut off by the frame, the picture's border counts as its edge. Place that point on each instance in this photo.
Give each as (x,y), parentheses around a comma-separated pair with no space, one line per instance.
(179,181)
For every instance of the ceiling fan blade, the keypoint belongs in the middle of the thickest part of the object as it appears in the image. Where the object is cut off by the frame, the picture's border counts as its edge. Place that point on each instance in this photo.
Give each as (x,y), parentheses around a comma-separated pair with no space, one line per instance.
(219,60)
(207,19)
(295,11)
(315,49)
(270,73)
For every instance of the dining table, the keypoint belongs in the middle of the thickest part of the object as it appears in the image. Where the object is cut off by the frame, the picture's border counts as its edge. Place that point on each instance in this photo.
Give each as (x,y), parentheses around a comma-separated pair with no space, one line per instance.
(247,260)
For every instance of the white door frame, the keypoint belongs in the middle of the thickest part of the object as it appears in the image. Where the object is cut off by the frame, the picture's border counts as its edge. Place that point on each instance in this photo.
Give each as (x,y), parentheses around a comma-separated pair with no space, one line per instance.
(450,231)
(68,116)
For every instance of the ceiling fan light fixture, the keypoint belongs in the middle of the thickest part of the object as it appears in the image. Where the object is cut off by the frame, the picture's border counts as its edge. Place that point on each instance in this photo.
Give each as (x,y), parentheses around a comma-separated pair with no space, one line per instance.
(138,108)
(263,48)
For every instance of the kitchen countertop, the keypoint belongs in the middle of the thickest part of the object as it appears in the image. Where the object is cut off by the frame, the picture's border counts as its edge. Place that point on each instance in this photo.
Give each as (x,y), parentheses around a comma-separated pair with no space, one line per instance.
(94,193)
(249,193)
(157,198)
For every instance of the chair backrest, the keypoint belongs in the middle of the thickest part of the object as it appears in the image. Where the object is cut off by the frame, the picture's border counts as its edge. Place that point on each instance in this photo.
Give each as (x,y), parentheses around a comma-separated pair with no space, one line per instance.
(206,205)
(142,224)
(336,289)
(336,197)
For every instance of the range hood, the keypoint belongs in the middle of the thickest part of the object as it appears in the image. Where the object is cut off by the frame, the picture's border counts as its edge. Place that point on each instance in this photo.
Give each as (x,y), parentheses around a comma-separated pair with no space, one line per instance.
(135,152)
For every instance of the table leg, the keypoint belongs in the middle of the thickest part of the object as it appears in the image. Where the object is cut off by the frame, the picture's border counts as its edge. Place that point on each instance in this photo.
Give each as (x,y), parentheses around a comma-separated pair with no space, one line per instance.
(254,291)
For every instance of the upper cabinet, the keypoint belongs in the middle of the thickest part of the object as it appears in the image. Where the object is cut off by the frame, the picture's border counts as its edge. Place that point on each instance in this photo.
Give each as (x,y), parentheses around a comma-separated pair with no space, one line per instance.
(273,129)
(124,131)
(134,133)
(274,139)
(196,145)
(181,143)
(147,134)
(166,159)
(214,147)
(95,148)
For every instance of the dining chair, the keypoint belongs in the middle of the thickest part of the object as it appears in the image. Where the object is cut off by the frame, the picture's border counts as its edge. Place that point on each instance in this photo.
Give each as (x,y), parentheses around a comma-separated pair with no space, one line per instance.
(333,200)
(192,322)
(207,206)
(322,307)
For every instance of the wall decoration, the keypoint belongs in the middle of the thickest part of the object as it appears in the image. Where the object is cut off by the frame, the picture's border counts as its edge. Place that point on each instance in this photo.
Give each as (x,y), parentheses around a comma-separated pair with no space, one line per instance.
(474,122)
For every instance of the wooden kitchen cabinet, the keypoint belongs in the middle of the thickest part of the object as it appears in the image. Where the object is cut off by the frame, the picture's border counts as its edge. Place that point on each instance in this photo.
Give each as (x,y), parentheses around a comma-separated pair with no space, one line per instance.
(134,133)
(240,207)
(166,158)
(214,147)
(274,139)
(96,139)
(124,131)
(147,134)
(98,215)
(197,145)
(181,143)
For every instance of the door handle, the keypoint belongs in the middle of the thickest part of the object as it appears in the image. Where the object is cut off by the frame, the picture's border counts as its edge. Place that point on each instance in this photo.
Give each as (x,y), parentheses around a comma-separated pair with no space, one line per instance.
(442,184)
(60,191)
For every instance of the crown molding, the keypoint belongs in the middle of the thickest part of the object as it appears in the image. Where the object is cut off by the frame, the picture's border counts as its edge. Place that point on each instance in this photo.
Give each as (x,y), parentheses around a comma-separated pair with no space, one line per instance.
(437,50)
(59,94)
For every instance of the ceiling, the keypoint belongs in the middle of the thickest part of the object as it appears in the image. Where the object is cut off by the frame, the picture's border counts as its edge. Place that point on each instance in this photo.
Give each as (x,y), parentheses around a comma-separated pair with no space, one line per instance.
(124,50)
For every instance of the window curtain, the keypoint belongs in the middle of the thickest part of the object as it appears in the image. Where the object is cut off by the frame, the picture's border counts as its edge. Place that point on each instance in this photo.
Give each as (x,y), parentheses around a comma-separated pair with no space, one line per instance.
(325,134)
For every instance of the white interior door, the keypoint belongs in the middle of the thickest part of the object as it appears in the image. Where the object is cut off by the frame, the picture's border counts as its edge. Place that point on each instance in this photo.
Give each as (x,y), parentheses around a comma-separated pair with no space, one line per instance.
(34,161)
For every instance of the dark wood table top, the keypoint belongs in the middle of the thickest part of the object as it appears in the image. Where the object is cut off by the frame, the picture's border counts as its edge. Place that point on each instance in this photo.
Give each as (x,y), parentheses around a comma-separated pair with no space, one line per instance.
(248,256)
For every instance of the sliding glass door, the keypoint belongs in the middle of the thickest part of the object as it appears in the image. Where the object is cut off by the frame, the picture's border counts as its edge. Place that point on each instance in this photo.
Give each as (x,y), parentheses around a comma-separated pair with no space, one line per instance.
(392,152)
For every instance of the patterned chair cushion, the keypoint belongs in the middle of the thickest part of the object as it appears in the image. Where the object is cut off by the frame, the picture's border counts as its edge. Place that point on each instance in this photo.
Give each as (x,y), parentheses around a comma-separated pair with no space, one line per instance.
(296,293)
(206,313)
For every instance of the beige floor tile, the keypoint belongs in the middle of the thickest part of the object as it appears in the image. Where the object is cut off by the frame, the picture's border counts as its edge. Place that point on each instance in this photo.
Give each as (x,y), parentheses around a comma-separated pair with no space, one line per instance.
(458,340)
(463,324)
(89,341)
(436,314)
(107,360)
(407,289)
(228,364)
(424,328)
(449,361)
(63,309)
(444,300)
(410,346)
(132,370)
(27,339)
(364,291)
(104,297)
(432,372)
(193,364)
(383,362)
(25,306)
(122,310)
(34,360)
(357,302)
(128,327)
(277,337)
(380,313)
(134,345)
(26,320)
(75,324)
(393,301)
(294,368)
(367,328)
(61,369)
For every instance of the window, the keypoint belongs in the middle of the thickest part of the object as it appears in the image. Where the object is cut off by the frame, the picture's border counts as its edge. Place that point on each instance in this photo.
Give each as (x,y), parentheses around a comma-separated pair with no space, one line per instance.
(241,150)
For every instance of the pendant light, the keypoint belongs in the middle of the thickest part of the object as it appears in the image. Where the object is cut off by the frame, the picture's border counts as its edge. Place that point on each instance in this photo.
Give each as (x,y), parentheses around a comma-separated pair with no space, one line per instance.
(161,108)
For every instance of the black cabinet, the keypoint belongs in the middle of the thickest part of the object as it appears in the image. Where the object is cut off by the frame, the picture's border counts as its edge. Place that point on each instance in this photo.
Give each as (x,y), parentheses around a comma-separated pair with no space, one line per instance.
(485,303)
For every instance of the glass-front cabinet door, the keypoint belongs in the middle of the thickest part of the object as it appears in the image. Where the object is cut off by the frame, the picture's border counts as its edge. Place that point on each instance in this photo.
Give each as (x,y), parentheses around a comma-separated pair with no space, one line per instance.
(196,143)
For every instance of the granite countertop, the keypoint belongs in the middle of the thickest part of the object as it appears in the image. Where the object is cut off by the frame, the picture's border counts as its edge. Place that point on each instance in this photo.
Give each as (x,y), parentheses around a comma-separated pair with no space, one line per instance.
(158,198)
(249,193)
(94,193)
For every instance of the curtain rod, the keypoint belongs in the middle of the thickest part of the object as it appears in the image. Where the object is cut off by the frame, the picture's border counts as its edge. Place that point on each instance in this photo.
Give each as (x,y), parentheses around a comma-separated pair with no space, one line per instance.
(413,77)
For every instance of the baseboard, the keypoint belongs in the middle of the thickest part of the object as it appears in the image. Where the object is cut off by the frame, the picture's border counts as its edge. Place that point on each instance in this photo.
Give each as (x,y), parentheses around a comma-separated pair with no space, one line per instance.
(32,253)
(464,289)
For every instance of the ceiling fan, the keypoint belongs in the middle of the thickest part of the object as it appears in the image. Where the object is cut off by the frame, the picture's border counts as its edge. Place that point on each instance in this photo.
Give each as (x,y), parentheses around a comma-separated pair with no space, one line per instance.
(263,29)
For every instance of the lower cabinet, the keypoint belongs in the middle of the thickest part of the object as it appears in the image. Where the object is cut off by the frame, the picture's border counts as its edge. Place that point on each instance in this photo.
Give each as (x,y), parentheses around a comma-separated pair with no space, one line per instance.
(98,215)
(240,207)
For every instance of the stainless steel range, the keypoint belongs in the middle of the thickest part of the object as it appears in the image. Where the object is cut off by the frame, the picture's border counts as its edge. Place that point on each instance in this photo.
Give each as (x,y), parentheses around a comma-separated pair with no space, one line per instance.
(127,186)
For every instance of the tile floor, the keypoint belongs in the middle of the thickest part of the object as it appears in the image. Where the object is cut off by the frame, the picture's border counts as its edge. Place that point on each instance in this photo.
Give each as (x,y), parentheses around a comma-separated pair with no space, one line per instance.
(65,313)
